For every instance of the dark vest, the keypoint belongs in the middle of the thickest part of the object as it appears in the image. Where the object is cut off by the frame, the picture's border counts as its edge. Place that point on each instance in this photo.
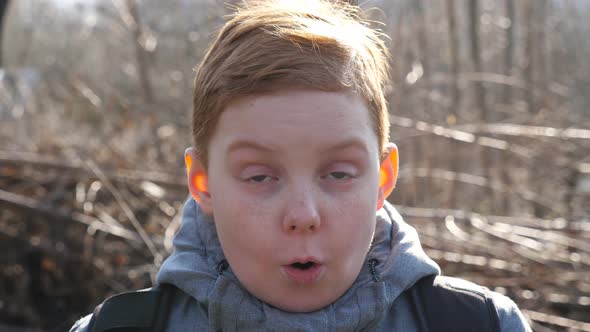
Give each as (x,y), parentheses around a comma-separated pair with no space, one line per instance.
(438,303)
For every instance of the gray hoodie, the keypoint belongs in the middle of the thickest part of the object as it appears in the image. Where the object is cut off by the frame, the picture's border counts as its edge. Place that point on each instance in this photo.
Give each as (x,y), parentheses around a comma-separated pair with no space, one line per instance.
(213,299)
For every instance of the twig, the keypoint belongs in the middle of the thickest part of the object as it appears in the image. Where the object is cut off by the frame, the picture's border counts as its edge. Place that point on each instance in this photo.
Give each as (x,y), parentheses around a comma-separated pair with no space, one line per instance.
(475,260)
(549,224)
(171,230)
(35,159)
(527,131)
(128,212)
(60,213)
(476,180)
(462,136)
(556,320)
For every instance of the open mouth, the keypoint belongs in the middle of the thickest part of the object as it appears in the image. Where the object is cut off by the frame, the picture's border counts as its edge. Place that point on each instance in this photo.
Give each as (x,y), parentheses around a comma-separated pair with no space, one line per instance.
(303,266)
(304,272)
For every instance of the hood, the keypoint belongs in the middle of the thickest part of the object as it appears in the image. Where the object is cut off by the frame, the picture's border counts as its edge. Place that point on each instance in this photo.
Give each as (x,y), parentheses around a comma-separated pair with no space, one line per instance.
(198,267)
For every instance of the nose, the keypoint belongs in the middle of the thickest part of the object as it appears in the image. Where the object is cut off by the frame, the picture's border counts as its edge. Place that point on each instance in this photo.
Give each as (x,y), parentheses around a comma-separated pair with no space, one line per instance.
(302,213)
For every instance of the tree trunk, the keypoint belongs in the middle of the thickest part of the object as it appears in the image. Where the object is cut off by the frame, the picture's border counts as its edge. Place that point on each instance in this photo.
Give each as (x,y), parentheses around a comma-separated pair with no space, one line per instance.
(453,58)
(484,116)
(473,8)
(509,51)
(424,52)
(453,112)
(528,53)
(503,156)
(541,19)
(140,52)
(3,10)
(425,144)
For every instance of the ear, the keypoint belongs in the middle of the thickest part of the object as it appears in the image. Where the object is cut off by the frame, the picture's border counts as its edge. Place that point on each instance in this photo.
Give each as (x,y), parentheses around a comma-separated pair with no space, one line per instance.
(197,180)
(387,173)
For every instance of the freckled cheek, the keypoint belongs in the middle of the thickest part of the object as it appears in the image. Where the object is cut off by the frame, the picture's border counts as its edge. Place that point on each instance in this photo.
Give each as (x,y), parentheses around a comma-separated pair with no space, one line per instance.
(248,219)
(243,238)
(356,214)
(361,200)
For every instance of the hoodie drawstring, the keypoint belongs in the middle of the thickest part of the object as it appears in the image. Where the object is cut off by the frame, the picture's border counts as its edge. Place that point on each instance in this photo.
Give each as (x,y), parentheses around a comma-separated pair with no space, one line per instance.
(222,266)
(372,263)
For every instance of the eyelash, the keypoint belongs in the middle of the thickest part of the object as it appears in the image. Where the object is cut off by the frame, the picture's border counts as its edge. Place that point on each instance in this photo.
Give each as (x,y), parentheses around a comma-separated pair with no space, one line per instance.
(336,176)
(345,176)
(265,178)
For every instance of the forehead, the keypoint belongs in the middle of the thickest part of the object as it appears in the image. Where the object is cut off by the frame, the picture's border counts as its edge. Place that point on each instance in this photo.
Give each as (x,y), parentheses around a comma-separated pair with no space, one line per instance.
(302,118)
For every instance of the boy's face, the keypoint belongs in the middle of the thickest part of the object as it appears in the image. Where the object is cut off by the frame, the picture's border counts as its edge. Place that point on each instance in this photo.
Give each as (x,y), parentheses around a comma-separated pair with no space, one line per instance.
(293,177)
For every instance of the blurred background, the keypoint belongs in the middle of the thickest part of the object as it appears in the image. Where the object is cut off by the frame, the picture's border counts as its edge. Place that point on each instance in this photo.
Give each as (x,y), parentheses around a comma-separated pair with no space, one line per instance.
(489,108)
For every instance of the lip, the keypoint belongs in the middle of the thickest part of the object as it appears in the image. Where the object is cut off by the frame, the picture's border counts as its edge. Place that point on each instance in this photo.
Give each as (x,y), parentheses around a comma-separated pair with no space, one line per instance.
(307,276)
(304,260)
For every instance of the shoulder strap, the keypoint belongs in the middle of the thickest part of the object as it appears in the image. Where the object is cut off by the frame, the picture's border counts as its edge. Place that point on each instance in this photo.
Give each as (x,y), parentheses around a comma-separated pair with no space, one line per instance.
(449,304)
(138,311)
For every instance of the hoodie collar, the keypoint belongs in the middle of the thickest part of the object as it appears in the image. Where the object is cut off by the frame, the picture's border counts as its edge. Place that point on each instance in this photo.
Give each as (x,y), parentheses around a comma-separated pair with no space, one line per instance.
(198,267)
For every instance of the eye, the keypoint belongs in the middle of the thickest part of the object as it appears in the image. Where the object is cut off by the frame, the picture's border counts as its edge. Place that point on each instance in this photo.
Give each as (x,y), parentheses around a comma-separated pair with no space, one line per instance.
(339,175)
(259,178)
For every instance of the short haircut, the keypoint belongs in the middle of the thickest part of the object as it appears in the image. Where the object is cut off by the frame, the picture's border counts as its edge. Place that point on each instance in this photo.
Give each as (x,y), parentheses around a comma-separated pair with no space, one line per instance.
(275,45)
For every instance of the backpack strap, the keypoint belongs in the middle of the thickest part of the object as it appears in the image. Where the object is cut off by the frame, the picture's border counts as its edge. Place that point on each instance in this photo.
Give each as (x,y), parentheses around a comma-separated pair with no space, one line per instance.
(138,311)
(443,303)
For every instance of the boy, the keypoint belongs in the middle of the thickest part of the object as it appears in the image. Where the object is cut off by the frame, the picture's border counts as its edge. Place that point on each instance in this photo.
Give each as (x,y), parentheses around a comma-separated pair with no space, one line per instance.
(288,227)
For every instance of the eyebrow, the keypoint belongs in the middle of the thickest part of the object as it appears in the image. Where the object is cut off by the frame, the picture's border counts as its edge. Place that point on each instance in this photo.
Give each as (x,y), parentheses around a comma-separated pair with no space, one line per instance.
(248,144)
(351,143)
